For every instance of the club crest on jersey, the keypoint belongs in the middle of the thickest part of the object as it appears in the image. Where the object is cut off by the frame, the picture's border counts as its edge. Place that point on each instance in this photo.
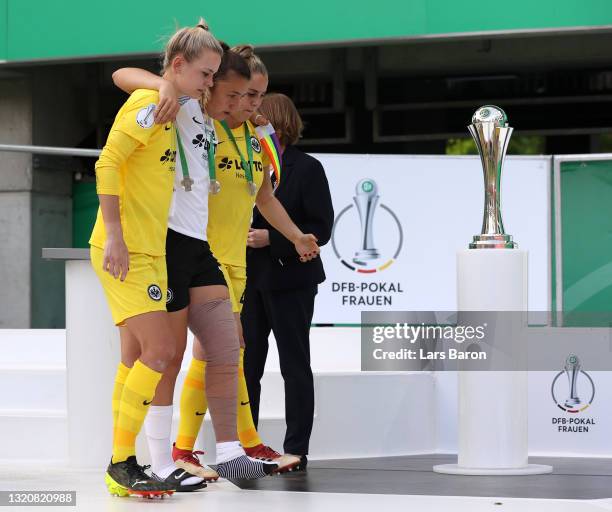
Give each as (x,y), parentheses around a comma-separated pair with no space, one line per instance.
(255,144)
(144,117)
(155,292)
(169,296)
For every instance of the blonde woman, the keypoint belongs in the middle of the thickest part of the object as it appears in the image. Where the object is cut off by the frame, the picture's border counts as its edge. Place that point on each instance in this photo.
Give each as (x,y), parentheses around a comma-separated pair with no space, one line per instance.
(135,175)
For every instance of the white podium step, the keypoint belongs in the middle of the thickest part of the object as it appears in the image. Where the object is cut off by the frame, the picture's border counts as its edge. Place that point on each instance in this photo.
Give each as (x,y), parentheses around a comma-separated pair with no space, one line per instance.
(33,388)
(39,435)
(399,420)
(33,347)
(396,419)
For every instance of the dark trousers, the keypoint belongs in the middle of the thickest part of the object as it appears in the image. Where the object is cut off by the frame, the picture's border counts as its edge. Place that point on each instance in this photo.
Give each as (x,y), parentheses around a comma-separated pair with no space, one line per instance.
(287,313)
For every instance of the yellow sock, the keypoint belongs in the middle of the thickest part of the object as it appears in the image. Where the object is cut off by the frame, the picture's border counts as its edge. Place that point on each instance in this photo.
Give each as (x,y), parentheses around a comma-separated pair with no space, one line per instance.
(137,395)
(122,373)
(246,428)
(193,406)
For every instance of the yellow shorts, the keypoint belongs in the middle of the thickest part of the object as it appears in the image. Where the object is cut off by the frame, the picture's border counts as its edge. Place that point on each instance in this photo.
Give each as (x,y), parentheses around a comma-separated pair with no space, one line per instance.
(144,290)
(235,277)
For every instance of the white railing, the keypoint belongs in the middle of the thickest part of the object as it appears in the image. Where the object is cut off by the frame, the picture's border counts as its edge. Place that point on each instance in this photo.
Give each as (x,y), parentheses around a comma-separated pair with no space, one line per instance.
(48,150)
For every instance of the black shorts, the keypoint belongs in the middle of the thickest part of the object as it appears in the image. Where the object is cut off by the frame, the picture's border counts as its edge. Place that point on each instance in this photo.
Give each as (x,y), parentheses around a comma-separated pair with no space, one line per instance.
(190,264)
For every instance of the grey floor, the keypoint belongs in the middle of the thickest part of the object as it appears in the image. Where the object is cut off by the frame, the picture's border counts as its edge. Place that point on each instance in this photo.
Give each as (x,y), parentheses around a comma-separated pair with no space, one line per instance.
(572,478)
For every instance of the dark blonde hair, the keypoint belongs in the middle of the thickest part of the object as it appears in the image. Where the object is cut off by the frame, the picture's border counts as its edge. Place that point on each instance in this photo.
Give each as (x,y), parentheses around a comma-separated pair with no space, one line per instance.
(190,42)
(247,52)
(281,112)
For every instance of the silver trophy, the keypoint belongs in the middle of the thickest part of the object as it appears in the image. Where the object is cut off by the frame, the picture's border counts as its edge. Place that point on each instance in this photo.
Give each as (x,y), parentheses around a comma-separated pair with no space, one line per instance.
(491,132)
(572,369)
(366,199)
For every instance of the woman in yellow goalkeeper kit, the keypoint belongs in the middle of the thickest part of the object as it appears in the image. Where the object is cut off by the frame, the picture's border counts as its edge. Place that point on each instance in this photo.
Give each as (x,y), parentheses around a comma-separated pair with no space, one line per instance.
(242,169)
(135,175)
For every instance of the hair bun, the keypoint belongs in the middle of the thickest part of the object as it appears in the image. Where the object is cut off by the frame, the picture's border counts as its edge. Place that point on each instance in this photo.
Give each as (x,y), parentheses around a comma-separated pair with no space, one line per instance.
(202,24)
(244,50)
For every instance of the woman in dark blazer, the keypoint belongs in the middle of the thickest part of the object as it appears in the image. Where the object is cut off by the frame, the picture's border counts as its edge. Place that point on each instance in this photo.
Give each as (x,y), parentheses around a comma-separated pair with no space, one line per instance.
(281,290)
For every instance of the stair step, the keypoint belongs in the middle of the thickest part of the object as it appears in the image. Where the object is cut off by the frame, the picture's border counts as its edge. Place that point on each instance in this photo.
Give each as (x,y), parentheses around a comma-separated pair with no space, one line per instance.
(44,387)
(29,347)
(31,387)
(400,422)
(33,435)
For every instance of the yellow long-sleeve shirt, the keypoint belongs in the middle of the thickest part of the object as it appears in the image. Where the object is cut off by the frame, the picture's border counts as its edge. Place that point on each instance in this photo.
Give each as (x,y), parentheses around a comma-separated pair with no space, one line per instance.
(137,164)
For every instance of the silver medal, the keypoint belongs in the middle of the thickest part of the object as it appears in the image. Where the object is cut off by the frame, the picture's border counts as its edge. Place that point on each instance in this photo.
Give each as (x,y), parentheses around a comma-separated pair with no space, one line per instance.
(187,182)
(214,187)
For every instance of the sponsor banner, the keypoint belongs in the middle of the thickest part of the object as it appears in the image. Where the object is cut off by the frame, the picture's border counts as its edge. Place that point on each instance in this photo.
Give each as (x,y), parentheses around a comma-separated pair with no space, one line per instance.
(568,410)
(558,426)
(400,220)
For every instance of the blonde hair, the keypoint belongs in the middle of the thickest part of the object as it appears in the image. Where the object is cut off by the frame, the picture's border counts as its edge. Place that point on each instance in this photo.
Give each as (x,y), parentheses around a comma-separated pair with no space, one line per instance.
(190,42)
(281,112)
(247,52)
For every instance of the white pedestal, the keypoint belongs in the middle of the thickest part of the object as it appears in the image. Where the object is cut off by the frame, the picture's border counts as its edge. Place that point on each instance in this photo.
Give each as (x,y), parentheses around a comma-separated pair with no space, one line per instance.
(92,355)
(492,404)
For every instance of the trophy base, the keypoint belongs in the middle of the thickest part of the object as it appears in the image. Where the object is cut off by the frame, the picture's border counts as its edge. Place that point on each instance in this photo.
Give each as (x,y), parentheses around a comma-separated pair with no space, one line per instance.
(572,403)
(493,242)
(530,469)
(365,254)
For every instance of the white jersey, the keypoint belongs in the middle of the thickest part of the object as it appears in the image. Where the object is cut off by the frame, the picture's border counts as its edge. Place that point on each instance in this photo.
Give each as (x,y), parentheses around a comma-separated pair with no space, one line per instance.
(189,209)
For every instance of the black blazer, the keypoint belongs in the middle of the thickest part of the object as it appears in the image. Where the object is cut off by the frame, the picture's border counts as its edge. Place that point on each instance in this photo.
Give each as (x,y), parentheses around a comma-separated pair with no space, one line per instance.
(304,192)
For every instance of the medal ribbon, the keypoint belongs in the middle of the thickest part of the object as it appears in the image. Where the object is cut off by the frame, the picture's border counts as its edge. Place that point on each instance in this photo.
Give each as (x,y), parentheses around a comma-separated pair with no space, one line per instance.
(212,171)
(248,171)
(210,153)
(184,166)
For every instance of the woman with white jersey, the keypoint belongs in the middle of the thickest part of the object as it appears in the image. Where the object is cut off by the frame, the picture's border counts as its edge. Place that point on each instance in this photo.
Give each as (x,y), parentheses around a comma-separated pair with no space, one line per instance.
(197,292)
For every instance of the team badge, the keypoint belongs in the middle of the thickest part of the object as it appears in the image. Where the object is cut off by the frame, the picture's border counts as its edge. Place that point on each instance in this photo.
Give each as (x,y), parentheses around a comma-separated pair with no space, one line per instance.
(169,296)
(255,144)
(155,292)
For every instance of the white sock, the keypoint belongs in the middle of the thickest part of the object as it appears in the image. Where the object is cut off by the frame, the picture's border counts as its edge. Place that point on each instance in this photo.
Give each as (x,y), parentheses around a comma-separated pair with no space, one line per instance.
(228,451)
(158,426)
